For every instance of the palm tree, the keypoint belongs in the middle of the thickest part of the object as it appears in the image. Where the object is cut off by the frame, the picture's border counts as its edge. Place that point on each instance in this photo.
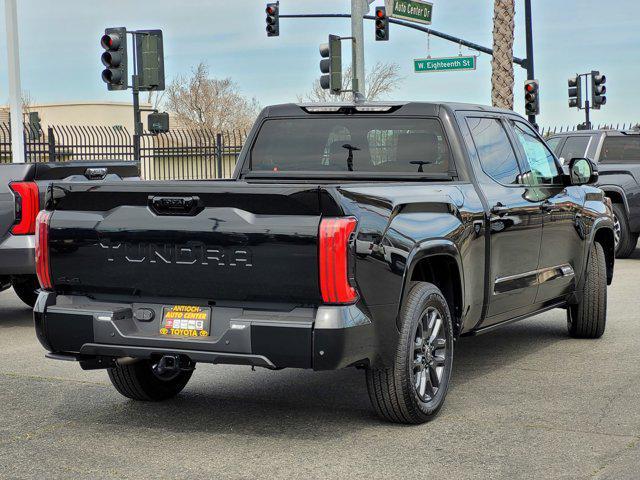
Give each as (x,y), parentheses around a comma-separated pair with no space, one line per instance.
(502,63)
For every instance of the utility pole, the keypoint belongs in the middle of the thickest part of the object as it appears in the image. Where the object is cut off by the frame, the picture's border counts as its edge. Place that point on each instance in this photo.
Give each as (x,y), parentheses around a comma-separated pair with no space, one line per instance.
(15,90)
(359,8)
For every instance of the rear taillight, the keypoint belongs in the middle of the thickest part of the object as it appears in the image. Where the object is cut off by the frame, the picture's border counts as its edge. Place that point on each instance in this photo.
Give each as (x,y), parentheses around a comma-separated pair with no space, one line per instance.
(43,269)
(27,207)
(335,284)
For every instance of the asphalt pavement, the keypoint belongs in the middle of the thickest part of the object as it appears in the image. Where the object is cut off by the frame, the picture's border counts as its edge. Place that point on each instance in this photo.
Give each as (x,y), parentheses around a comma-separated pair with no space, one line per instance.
(526,402)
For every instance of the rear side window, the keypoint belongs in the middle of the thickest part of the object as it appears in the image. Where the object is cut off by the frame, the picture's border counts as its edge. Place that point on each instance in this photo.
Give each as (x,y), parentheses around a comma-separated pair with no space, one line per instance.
(575,147)
(350,143)
(622,149)
(497,157)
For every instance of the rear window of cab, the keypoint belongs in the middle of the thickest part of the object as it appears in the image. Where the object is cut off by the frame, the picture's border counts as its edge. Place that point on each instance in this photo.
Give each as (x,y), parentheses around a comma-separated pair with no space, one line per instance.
(351,144)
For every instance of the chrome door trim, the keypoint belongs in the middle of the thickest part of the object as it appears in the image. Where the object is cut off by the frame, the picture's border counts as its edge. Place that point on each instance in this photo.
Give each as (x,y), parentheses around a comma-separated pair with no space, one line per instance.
(533,278)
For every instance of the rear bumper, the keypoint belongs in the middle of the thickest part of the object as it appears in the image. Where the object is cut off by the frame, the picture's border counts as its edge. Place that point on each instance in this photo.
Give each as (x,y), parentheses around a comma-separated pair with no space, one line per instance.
(17,255)
(323,338)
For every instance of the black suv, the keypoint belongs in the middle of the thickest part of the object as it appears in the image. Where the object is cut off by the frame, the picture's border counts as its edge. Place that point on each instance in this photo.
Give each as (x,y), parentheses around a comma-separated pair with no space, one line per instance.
(617,154)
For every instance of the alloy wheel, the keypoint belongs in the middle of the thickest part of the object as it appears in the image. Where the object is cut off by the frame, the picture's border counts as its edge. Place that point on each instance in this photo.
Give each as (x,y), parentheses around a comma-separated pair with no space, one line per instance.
(429,354)
(617,231)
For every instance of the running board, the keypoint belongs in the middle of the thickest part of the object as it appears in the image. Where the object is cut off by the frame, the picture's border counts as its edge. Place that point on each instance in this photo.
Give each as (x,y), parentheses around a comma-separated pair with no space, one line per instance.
(490,328)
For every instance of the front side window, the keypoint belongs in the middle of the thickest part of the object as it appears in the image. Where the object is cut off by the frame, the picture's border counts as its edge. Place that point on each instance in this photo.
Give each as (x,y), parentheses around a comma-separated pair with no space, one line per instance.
(542,168)
(497,157)
(352,144)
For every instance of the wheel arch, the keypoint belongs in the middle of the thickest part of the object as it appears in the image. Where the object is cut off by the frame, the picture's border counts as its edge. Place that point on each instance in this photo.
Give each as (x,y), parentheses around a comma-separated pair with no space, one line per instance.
(616,194)
(438,262)
(604,236)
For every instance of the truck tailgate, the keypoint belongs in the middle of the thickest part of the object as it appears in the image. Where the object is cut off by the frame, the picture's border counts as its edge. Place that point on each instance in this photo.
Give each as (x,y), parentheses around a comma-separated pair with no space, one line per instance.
(214,241)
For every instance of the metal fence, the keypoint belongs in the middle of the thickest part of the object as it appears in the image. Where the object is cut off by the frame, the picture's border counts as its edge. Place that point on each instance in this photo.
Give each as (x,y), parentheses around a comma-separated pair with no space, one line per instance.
(190,154)
(176,155)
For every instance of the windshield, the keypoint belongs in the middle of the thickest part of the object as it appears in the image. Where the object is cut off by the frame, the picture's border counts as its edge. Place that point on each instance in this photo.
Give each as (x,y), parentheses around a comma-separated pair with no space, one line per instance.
(351,144)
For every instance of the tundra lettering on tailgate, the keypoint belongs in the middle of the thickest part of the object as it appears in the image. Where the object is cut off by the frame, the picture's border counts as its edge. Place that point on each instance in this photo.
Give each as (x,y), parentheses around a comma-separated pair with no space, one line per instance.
(193,253)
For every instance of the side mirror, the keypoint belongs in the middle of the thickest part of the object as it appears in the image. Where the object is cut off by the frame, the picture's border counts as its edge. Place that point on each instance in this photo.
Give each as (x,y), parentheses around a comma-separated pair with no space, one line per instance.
(582,171)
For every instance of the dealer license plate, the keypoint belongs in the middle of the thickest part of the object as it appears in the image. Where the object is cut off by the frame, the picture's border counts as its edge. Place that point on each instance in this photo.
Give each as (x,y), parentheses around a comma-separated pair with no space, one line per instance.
(185,321)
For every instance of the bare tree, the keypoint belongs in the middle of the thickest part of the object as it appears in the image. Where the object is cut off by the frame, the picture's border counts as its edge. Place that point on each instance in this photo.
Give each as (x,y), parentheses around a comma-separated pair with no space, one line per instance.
(27,102)
(201,101)
(502,63)
(382,78)
(156,99)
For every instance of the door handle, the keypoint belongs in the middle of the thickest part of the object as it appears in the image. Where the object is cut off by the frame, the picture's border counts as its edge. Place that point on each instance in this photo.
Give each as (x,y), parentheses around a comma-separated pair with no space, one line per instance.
(499,209)
(546,206)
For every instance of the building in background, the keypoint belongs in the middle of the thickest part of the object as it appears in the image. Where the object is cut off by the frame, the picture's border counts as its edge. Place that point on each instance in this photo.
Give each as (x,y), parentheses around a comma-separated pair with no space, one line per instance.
(108,114)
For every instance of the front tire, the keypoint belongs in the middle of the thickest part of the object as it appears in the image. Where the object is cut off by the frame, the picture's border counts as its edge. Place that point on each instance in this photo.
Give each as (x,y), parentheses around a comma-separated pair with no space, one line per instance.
(413,390)
(26,289)
(139,382)
(588,318)
(625,240)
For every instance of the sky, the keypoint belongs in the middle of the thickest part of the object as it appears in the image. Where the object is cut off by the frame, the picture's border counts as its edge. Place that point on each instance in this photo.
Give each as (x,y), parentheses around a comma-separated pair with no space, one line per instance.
(60,51)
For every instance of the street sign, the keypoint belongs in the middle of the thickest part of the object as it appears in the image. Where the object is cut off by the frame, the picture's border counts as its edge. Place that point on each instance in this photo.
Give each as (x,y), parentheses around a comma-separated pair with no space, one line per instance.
(413,10)
(445,64)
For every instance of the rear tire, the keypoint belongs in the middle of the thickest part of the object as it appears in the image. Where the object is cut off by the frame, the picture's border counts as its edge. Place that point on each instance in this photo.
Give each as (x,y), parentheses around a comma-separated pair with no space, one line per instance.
(138,382)
(588,318)
(26,289)
(625,240)
(413,390)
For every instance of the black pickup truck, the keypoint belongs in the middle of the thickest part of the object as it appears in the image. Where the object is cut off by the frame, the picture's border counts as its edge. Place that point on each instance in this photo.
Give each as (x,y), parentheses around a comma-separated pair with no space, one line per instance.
(22,188)
(617,154)
(366,235)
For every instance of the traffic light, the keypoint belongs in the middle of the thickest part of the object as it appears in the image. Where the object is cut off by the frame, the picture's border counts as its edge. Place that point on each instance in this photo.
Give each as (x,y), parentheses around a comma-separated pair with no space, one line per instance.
(575,92)
(382,25)
(273,19)
(331,65)
(598,90)
(531,97)
(114,58)
(150,60)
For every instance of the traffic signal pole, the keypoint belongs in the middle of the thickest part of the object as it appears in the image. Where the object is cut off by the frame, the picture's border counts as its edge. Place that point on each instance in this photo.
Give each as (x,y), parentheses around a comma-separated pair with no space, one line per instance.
(138,128)
(529,34)
(594,96)
(587,111)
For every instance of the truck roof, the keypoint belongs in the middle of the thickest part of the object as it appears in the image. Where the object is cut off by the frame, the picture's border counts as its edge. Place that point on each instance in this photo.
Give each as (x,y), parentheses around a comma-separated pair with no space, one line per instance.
(398,107)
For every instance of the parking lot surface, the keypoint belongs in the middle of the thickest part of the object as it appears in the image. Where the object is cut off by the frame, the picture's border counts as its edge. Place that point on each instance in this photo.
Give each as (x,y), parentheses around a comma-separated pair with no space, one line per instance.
(526,402)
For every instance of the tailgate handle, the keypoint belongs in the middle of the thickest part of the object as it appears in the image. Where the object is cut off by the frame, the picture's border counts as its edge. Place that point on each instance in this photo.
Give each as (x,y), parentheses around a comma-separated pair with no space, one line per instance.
(175,205)
(96,173)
